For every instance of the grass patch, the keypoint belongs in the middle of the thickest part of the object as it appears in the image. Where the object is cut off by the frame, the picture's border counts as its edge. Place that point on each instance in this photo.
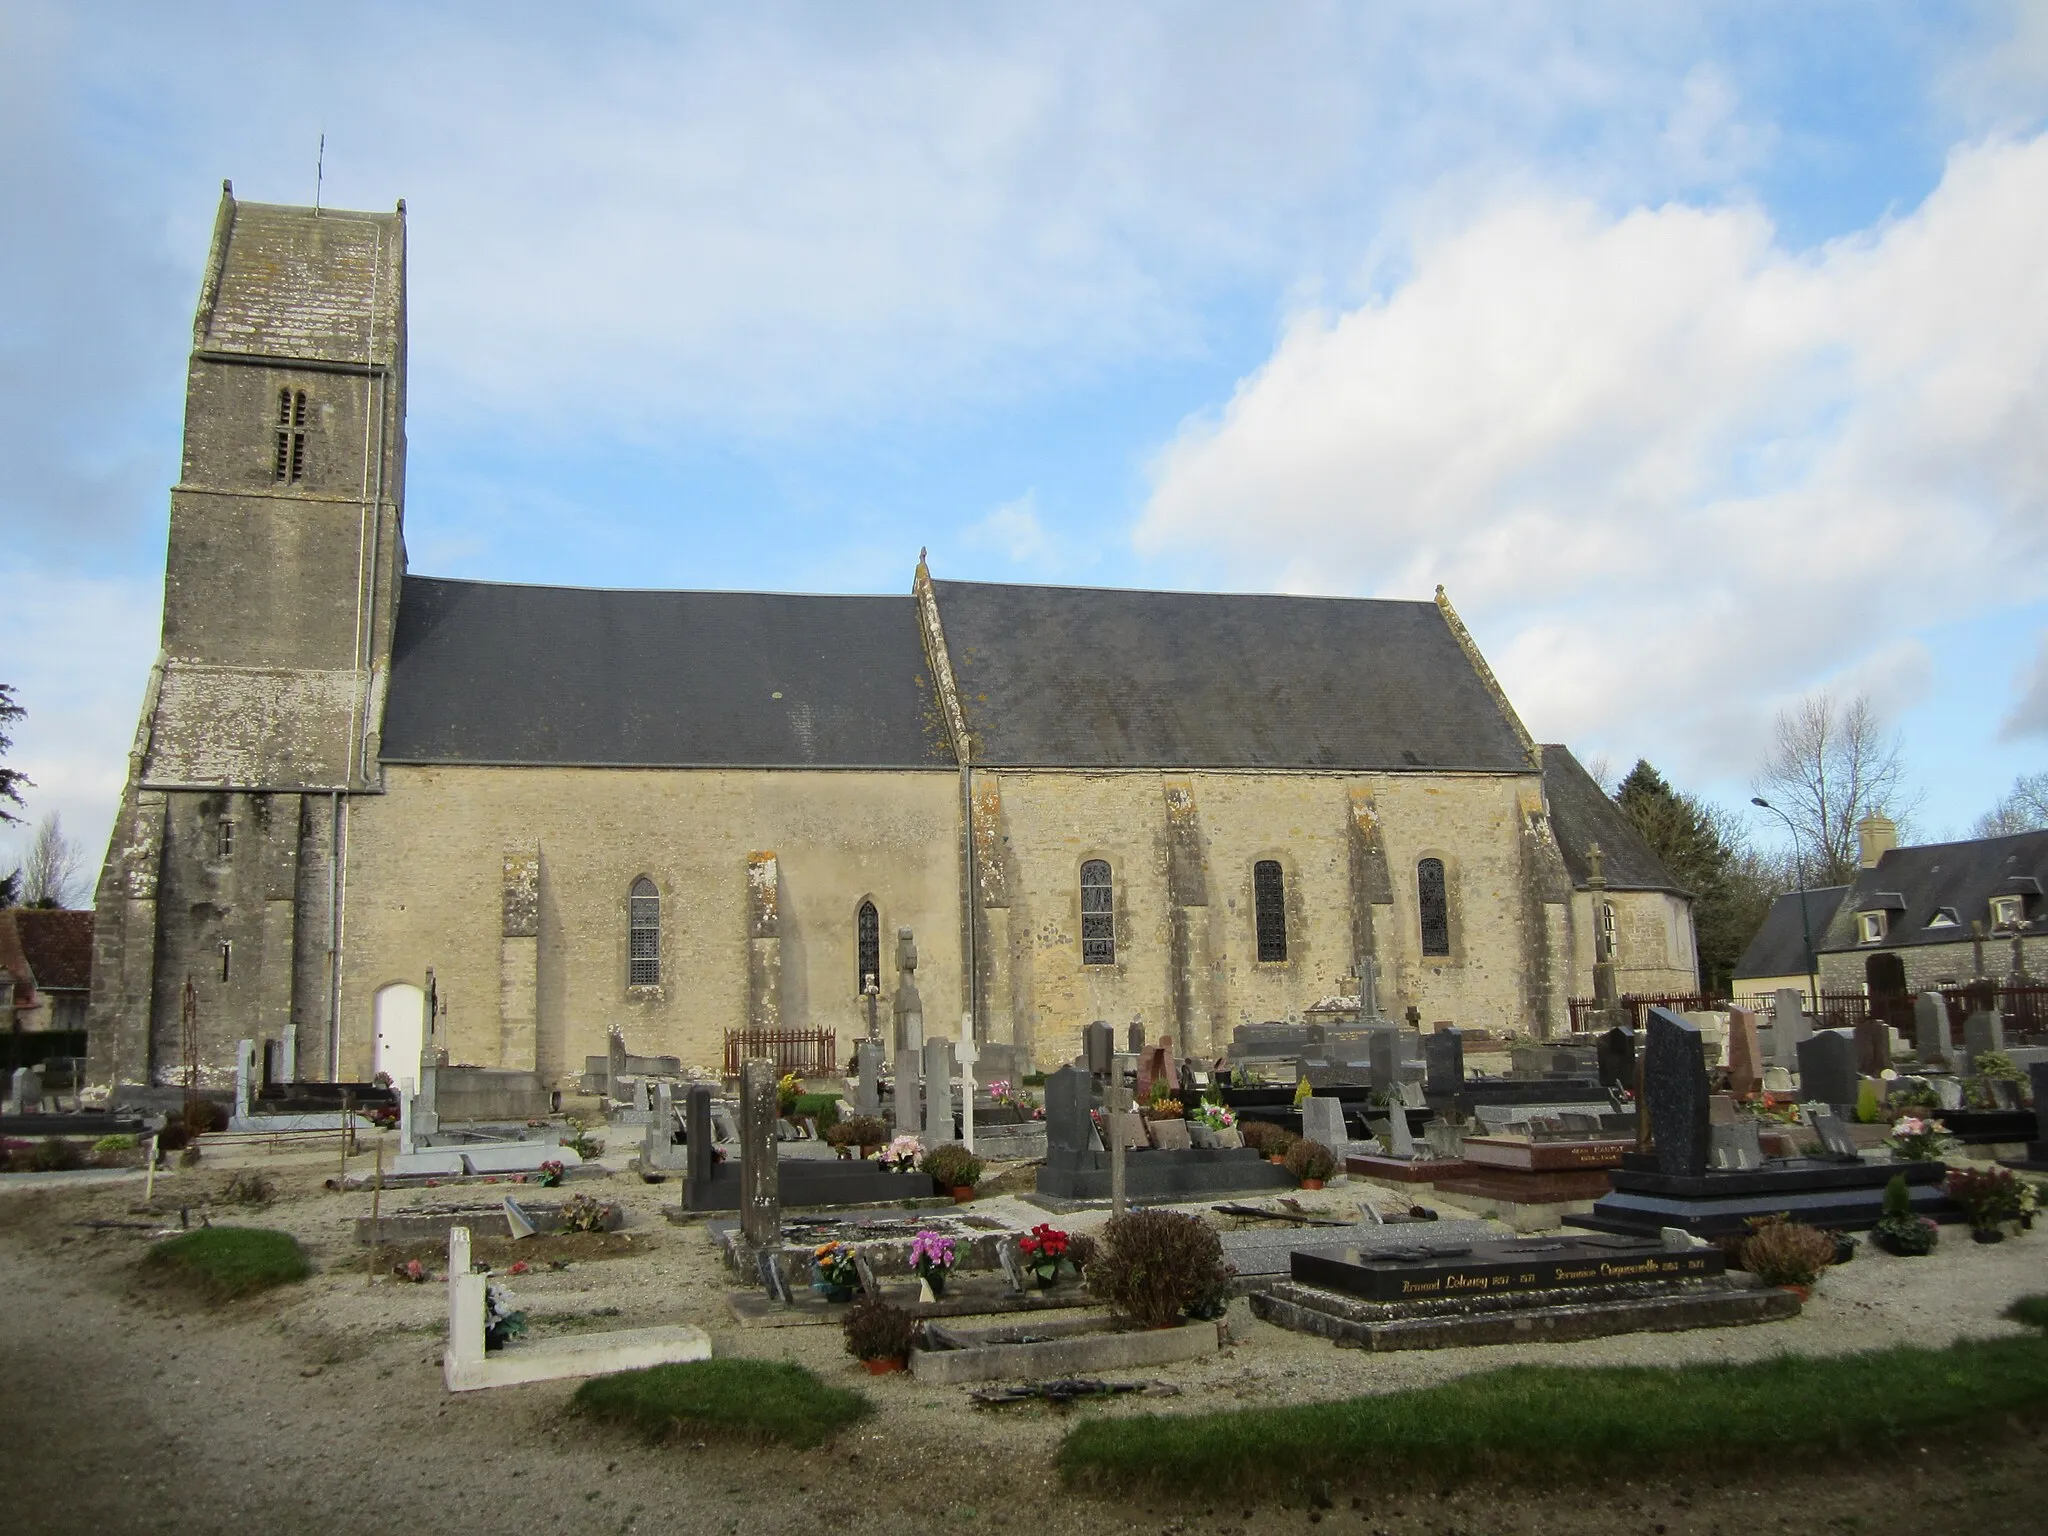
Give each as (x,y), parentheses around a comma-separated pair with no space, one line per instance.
(740,1399)
(823,1107)
(2031,1310)
(1548,1423)
(227,1262)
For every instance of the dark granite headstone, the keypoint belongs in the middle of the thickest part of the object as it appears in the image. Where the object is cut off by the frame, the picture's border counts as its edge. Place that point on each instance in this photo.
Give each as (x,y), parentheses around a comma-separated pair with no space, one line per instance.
(698,1156)
(1827,1068)
(1835,1139)
(1616,1054)
(1384,1054)
(1675,1086)
(1134,1038)
(1444,1052)
(1098,1045)
(1068,1125)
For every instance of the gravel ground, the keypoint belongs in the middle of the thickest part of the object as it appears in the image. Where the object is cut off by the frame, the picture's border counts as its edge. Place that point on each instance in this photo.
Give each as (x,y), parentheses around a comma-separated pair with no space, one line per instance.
(322,1407)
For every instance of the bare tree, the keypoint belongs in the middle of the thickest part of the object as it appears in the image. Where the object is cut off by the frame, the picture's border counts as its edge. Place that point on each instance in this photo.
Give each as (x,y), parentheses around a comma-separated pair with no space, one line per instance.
(1831,764)
(54,866)
(2024,808)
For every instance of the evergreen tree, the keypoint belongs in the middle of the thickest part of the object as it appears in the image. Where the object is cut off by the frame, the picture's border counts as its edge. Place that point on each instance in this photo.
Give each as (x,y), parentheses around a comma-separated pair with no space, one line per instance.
(1708,855)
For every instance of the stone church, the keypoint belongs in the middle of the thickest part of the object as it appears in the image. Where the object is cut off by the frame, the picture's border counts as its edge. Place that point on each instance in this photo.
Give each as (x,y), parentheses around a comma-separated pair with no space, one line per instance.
(678,813)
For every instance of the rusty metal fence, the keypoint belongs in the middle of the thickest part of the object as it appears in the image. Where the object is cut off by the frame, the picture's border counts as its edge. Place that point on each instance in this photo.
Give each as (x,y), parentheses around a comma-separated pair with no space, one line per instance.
(806,1052)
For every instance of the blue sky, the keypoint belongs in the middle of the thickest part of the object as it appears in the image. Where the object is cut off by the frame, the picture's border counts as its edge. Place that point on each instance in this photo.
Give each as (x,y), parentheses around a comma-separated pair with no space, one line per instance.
(1701,352)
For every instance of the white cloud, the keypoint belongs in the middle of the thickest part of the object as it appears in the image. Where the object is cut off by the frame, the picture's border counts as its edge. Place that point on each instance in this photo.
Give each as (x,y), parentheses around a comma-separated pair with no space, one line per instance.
(2029,715)
(1013,530)
(1671,472)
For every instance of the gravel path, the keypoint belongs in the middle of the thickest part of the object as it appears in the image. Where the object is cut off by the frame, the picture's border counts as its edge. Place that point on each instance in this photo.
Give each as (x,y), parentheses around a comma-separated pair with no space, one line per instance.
(321,1408)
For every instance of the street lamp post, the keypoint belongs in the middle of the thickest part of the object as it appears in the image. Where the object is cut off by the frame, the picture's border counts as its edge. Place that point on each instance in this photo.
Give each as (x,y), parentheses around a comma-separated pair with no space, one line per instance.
(1805,920)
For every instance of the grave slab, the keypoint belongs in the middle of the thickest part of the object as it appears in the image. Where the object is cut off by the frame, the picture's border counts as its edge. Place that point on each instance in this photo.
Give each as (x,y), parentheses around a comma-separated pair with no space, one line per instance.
(1037,1351)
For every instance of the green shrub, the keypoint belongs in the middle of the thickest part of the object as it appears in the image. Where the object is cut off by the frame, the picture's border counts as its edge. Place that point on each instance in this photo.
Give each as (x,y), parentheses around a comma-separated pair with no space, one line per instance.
(109,1146)
(227,1262)
(1899,1230)
(760,1400)
(952,1166)
(1311,1160)
(822,1107)
(1157,1266)
(1867,1110)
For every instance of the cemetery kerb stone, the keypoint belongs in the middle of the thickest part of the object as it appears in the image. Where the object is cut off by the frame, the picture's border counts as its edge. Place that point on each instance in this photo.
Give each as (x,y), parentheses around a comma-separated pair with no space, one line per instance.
(1444,1053)
(1675,1086)
(1827,1069)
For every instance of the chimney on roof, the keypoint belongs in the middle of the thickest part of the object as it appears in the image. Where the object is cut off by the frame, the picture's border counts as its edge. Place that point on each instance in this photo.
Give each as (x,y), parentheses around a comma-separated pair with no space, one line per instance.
(1876,836)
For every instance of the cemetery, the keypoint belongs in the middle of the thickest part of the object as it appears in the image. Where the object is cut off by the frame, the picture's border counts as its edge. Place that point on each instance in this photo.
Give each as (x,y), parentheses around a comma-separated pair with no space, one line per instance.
(1382,1211)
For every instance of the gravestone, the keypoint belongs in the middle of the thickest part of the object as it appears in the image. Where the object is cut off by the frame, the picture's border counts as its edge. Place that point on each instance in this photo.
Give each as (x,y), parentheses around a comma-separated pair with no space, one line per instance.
(1444,1053)
(1170,1135)
(1745,1054)
(1930,1029)
(1400,1141)
(1383,1056)
(1983,1030)
(1721,1109)
(867,1091)
(907,1113)
(760,1168)
(1737,1145)
(1827,1068)
(909,1007)
(1322,1119)
(1675,1089)
(1134,1038)
(1615,1054)
(1835,1140)
(1789,1026)
(1068,1125)
(1947,1091)
(1098,1046)
(614,1063)
(1873,1039)
(1155,1064)
(938,1093)
(1132,1126)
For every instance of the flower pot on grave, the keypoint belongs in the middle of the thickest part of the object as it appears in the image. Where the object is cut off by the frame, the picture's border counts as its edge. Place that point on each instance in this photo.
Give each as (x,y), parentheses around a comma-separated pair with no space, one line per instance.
(1986,1235)
(832,1292)
(932,1283)
(1311,1183)
(883,1367)
(1280,1160)
(1803,1292)
(962,1193)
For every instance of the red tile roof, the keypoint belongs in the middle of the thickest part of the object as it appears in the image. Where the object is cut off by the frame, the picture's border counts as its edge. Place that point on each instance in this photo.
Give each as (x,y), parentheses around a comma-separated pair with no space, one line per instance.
(57,944)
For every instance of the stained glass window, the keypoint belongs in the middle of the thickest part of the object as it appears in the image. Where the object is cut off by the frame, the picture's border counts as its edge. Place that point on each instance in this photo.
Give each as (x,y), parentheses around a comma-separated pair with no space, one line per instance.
(1269,905)
(868,942)
(643,936)
(1098,914)
(1435,906)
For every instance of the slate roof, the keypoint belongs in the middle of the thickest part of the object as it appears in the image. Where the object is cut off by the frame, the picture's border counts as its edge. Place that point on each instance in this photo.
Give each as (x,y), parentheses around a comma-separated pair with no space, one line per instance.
(1779,948)
(1070,677)
(289,281)
(483,672)
(1962,876)
(1581,814)
(46,949)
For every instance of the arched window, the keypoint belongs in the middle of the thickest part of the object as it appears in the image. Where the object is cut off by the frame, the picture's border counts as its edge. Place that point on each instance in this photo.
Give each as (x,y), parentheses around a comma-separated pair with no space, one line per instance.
(289,466)
(1269,907)
(643,936)
(1434,903)
(867,928)
(1607,927)
(1098,914)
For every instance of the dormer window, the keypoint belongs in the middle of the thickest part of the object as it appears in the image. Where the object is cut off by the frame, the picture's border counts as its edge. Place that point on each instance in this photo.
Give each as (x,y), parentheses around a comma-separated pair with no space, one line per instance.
(288,466)
(2008,911)
(1871,927)
(1944,917)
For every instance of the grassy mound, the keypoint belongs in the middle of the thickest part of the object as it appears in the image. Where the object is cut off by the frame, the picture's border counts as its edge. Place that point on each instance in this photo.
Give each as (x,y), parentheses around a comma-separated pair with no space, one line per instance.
(739,1399)
(1548,1423)
(227,1262)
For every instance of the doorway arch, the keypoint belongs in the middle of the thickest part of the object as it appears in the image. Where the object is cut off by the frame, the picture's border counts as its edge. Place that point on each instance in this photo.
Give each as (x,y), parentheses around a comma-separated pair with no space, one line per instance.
(401,1016)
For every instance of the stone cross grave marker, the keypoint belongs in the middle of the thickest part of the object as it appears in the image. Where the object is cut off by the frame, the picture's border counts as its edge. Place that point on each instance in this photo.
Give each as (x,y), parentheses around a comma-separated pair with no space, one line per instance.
(760,1168)
(909,1007)
(1745,1054)
(1827,1068)
(1444,1053)
(1675,1086)
(938,1093)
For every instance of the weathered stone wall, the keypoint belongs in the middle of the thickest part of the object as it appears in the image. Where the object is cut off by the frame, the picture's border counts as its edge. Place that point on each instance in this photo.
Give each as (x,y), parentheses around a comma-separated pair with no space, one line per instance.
(1930,965)
(426,886)
(1654,949)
